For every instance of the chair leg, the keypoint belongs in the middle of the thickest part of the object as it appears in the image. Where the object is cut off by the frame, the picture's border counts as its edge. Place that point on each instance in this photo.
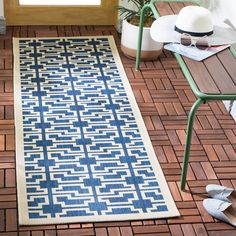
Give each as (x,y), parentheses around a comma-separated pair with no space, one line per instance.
(140,37)
(188,141)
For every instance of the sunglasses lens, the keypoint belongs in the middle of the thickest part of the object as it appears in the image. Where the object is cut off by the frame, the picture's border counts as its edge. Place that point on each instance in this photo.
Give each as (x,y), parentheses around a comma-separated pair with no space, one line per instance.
(185,40)
(202,44)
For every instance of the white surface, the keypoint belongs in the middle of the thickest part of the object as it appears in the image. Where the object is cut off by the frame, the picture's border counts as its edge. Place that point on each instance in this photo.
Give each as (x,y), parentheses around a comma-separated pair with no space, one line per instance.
(233,111)
(233,108)
(1,8)
(224,11)
(60,2)
(129,38)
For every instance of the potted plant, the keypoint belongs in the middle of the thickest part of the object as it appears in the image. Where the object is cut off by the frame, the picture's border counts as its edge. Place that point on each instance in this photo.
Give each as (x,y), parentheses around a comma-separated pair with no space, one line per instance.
(130,29)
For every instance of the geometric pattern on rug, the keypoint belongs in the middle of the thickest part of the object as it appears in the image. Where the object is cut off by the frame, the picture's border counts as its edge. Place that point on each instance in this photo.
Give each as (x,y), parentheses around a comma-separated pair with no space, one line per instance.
(83,152)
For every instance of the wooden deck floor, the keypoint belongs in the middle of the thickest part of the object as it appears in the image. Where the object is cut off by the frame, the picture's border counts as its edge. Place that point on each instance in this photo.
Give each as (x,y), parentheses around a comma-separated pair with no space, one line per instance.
(164,99)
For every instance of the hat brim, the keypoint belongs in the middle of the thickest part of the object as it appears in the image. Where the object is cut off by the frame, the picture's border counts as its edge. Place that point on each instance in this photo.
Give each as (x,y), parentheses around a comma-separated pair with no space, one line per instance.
(163,30)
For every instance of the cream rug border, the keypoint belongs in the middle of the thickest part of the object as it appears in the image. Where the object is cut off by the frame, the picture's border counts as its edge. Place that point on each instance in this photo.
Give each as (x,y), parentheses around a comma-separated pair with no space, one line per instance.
(21,185)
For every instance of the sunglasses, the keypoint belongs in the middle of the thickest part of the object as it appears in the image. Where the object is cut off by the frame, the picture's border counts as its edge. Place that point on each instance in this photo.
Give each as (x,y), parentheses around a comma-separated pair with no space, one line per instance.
(200,43)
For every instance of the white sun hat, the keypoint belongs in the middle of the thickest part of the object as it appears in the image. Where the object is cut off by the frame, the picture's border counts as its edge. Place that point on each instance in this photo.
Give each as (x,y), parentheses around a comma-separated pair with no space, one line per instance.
(195,21)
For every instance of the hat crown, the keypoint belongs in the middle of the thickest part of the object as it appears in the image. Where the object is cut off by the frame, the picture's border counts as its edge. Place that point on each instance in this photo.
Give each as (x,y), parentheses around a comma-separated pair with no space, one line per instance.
(194,19)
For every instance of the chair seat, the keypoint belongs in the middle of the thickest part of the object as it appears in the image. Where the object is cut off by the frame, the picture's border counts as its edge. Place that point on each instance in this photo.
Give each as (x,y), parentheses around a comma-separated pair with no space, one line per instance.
(215,75)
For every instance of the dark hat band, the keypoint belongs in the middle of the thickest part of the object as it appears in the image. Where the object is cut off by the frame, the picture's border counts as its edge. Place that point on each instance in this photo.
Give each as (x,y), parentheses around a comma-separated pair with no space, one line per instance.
(192,33)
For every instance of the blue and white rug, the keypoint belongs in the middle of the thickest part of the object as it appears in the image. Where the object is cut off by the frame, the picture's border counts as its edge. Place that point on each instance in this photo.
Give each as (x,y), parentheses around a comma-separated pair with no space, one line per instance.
(83,152)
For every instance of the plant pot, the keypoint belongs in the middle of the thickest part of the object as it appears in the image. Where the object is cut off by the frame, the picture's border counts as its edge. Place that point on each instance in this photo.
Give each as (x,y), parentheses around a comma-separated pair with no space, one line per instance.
(129,40)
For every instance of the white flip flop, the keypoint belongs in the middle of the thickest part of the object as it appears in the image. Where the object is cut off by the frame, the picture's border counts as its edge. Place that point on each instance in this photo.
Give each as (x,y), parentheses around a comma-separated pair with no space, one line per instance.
(221,210)
(222,193)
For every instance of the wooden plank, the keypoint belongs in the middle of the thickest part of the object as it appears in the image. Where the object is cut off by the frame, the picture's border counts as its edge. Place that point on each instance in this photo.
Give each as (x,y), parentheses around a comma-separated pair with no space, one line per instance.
(229,63)
(220,75)
(201,76)
(176,6)
(164,8)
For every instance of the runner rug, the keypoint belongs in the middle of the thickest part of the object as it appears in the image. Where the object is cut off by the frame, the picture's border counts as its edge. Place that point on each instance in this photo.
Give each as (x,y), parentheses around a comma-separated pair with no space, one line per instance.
(83,153)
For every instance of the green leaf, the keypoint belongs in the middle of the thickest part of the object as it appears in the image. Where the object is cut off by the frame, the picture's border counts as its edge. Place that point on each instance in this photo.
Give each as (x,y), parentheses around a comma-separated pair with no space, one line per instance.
(128,13)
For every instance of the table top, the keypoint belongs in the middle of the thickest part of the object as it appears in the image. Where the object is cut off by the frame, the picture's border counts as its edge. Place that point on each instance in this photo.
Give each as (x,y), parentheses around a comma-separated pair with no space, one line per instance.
(215,75)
